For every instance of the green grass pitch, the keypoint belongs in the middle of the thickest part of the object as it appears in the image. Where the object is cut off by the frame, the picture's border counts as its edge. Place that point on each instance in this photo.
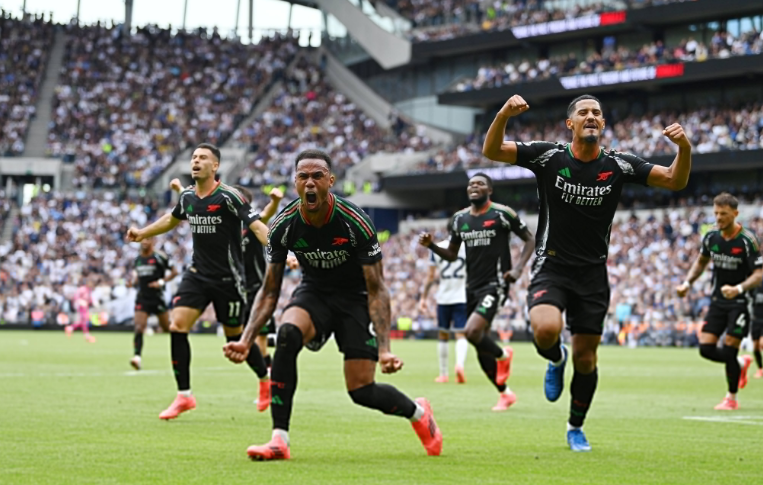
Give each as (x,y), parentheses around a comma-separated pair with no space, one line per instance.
(73,412)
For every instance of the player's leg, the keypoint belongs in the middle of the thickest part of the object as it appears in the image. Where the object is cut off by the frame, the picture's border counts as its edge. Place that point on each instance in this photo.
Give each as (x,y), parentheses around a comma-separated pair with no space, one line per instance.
(582,388)
(182,320)
(494,361)
(357,341)
(164,320)
(141,319)
(757,344)
(462,345)
(443,334)
(296,331)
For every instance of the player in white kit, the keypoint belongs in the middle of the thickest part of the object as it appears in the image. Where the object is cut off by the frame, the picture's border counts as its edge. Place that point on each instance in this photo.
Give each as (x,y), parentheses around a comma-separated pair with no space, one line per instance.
(451,308)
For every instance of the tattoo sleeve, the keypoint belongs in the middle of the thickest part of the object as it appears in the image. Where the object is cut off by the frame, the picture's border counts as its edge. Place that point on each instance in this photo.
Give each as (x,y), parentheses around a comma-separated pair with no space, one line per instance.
(266,302)
(378,304)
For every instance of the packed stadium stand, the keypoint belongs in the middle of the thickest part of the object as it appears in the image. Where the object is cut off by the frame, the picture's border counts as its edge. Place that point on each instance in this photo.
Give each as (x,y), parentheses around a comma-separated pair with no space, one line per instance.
(308,112)
(24,48)
(183,87)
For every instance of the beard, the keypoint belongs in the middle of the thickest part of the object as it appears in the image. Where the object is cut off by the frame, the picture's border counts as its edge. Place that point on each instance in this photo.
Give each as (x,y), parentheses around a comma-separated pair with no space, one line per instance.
(479,202)
(591,138)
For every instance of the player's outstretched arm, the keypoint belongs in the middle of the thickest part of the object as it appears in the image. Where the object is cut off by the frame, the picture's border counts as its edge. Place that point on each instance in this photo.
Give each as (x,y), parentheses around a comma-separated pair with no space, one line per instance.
(269,211)
(381,315)
(695,271)
(164,224)
(448,254)
(494,147)
(260,231)
(676,176)
(263,308)
(527,251)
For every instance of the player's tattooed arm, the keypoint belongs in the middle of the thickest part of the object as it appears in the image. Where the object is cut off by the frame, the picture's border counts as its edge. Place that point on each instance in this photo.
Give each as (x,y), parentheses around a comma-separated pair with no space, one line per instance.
(431,278)
(494,147)
(527,251)
(380,311)
(695,271)
(164,224)
(263,308)
(378,304)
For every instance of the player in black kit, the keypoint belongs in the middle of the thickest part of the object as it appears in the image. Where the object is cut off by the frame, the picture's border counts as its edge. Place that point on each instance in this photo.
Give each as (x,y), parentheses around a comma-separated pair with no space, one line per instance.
(579,187)
(342,292)
(215,212)
(150,271)
(737,269)
(757,330)
(485,227)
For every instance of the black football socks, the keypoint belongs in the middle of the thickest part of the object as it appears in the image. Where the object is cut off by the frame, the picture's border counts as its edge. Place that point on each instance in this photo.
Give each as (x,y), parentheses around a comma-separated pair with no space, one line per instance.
(138,343)
(283,376)
(582,389)
(180,351)
(384,398)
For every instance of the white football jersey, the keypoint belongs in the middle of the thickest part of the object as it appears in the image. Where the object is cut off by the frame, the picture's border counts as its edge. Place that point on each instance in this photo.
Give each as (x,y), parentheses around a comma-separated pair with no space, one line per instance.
(452,287)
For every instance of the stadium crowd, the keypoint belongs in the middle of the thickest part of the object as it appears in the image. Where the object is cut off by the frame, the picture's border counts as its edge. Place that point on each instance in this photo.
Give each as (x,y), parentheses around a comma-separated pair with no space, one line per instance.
(24,47)
(611,58)
(182,87)
(62,241)
(309,113)
(710,129)
(435,20)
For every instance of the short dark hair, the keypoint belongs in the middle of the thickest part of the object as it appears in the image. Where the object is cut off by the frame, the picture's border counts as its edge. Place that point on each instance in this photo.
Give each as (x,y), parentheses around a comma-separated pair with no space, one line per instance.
(487,178)
(318,154)
(571,107)
(215,151)
(245,192)
(726,199)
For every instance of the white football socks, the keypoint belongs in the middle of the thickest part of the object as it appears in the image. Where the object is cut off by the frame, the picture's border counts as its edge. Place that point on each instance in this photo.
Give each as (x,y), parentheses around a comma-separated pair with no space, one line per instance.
(442,352)
(417,414)
(462,345)
(283,434)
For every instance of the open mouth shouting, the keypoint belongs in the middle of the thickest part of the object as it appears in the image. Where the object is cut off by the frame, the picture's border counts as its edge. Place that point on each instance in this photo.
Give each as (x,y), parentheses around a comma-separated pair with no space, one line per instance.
(311,200)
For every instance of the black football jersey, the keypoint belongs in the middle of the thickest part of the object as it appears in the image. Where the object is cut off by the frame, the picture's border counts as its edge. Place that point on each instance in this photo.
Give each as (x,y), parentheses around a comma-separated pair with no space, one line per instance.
(332,256)
(757,303)
(578,199)
(216,225)
(254,259)
(733,259)
(487,237)
(149,269)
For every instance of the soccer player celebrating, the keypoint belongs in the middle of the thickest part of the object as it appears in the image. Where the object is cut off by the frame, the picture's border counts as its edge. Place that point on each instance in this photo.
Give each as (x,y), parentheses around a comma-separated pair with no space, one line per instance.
(151,268)
(215,212)
(254,267)
(737,268)
(579,186)
(451,308)
(757,330)
(342,292)
(485,227)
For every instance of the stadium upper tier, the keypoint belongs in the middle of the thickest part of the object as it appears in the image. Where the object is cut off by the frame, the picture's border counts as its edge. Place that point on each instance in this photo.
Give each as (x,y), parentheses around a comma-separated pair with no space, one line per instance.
(24,48)
(126,106)
(60,239)
(610,58)
(710,129)
(435,20)
(309,113)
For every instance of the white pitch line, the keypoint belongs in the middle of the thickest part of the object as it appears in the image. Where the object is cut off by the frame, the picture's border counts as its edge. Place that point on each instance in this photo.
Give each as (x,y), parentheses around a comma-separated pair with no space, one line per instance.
(130,373)
(730,419)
